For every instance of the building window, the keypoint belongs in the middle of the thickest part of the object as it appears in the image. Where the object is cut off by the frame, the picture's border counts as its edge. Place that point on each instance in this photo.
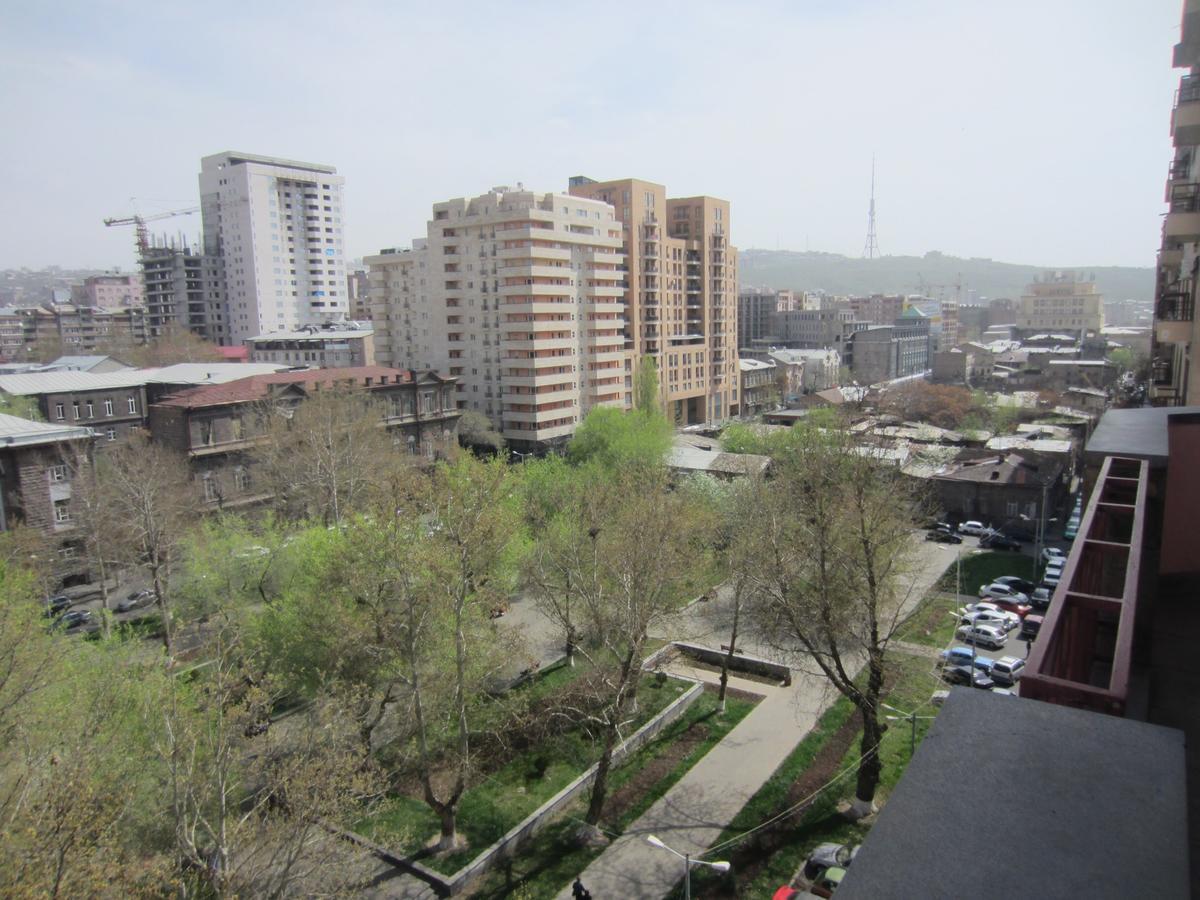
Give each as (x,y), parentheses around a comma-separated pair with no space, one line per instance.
(1012,509)
(58,473)
(412,445)
(60,411)
(91,410)
(108,407)
(75,410)
(110,433)
(241,479)
(62,511)
(210,488)
(133,404)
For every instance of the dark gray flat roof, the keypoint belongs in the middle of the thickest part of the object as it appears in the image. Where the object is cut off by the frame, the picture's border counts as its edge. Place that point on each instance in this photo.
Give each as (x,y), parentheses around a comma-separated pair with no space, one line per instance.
(1140,433)
(1009,797)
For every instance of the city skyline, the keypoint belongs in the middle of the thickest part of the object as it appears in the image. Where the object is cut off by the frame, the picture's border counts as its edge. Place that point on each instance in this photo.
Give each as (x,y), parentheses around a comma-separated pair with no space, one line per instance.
(1017,133)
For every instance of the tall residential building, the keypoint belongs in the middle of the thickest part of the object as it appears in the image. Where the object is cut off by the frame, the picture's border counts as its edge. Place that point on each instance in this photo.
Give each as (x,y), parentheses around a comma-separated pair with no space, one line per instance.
(877,309)
(814,329)
(518,295)
(755,308)
(1061,302)
(680,295)
(183,287)
(276,225)
(1176,373)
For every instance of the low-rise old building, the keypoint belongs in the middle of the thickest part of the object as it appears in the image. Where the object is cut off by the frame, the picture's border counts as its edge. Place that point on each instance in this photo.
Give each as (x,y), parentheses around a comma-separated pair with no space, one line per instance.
(760,389)
(886,352)
(969,364)
(1001,489)
(39,463)
(215,425)
(332,345)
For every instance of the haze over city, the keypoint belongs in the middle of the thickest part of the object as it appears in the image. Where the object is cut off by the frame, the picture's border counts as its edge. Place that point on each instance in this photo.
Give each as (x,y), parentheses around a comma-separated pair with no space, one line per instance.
(1025,132)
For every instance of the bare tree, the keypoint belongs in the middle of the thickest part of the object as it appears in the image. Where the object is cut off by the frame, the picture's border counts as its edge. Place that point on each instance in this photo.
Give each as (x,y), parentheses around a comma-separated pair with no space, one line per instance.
(326,455)
(145,489)
(826,546)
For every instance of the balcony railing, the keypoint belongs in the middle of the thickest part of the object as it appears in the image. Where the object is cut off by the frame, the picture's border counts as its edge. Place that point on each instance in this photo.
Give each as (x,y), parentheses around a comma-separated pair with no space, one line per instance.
(1185,197)
(1189,89)
(1176,301)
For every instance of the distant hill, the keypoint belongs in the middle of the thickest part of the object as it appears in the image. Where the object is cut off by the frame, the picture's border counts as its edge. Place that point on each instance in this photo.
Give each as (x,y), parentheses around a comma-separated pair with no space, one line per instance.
(783,269)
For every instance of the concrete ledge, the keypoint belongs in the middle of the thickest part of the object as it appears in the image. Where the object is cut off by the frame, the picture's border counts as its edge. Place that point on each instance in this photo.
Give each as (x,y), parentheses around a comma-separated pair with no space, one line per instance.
(519,834)
(740,663)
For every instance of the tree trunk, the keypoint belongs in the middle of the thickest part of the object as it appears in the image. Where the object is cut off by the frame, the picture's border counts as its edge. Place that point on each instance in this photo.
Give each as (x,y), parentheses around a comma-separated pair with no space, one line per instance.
(733,634)
(449,836)
(600,784)
(161,596)
(870,766)
(626,689)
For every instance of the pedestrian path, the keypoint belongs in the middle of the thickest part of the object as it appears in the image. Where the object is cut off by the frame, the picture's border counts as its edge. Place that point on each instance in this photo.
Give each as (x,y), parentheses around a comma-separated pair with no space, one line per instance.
(691,815)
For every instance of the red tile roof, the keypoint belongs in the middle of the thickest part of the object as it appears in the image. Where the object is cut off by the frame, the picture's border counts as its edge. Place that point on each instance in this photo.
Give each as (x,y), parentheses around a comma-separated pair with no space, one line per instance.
(256,387)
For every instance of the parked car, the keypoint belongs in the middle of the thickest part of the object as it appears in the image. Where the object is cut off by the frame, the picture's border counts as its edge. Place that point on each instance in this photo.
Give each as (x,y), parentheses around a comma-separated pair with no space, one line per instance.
(943,537)
(1016,583)
(989,617)
(971,526)
(1016,607)
(1030,627)
(965,675)
(1008,669)
(1040,598)
(958,656)
(998,591)
(827,881)
(1051,578)
(1072,530)
(1049,554)
(135,600)
(987,635)
(827,856)
(73,619)
(997,541)
(57,604)
(1009,617)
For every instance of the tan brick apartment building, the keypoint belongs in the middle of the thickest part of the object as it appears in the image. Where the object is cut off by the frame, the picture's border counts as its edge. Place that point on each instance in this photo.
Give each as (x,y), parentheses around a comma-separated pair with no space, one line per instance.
(681,293)
(519,296)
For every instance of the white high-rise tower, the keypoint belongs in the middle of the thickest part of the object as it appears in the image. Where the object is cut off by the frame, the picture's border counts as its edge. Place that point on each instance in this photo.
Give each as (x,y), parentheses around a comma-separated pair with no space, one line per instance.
(276,225)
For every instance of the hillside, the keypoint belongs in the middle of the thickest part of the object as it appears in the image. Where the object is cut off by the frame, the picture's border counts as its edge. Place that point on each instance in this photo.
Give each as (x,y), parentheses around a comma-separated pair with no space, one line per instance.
(836,274)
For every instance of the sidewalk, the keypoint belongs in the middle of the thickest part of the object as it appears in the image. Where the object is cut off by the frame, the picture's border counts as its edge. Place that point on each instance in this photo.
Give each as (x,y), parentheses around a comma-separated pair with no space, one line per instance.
(691,815)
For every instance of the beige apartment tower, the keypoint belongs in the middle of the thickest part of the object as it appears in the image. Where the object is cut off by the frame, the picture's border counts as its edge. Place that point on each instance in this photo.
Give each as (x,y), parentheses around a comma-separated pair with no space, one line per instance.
(1061,302)
(518,295)
(680,295)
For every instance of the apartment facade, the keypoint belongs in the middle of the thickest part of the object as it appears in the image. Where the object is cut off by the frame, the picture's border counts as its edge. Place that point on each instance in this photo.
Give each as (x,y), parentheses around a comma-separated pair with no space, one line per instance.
(518,296)
(276,226)
(815,329)
(680,293)
(330,346)
(755,308)
(1061,301)
(877,309)
(31,331)
(109,291)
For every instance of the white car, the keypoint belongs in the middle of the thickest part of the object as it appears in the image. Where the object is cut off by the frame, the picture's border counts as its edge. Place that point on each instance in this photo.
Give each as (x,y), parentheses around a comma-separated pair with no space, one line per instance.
(1002,592)
(1004,619)
(987,635)
(1049,554)
(1008,669)
(971,526)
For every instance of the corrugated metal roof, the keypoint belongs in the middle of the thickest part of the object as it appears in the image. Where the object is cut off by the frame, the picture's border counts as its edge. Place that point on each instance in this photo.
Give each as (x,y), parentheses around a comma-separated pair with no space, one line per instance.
(15,431)
(181,373)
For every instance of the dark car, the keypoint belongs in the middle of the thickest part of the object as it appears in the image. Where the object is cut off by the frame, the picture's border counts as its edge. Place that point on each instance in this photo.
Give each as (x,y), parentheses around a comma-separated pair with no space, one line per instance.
(74,618)
(966,675)
(943,537)
(1017,584)
(999,542)
(55,605)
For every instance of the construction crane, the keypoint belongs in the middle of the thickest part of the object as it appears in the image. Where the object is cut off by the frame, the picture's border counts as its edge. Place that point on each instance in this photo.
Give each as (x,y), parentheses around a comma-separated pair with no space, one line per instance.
(139,222)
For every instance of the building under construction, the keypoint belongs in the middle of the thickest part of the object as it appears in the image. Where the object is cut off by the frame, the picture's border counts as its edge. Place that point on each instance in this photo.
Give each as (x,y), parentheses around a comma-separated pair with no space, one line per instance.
(182,286)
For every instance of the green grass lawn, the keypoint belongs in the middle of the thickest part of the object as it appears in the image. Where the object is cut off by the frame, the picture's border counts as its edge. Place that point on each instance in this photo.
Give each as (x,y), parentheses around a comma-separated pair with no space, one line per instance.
(931,623)
(821,822)
(501,799)
(553,857)
(985,567)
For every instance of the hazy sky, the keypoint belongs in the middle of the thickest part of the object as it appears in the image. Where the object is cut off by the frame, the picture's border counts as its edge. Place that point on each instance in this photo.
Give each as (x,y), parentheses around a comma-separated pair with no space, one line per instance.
(1033,131)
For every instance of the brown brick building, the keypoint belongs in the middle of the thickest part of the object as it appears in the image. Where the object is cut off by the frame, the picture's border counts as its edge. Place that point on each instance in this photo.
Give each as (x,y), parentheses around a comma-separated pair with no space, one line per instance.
(216,424)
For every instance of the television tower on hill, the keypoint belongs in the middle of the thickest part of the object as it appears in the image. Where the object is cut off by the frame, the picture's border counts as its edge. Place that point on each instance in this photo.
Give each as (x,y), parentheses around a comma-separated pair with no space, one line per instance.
(871,248)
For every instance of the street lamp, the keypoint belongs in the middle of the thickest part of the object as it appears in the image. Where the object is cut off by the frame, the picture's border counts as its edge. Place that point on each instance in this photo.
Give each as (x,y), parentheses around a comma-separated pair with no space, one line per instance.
(688,862)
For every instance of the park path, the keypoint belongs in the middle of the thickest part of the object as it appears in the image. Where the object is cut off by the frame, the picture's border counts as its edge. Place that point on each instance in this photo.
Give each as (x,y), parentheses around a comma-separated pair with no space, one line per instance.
(693,813)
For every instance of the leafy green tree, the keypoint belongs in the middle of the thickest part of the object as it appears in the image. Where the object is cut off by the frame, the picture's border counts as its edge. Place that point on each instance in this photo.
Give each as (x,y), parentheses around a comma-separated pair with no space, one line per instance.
(475,431)
(646,396)
(822,550)
(616,439)
(22,407)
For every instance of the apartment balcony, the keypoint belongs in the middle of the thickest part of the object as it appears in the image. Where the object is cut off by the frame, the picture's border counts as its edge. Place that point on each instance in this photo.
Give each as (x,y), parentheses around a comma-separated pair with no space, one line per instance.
(1170,258)
(1185,117)
(601,290)
(524,269)
(538,433)
(535,290)
(530,252)
(508,396)
(539,343)
(605,257)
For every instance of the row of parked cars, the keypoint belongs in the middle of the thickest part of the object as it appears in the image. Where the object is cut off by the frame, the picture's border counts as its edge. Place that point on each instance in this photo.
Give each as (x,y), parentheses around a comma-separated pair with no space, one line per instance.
(58,609)
(989,538)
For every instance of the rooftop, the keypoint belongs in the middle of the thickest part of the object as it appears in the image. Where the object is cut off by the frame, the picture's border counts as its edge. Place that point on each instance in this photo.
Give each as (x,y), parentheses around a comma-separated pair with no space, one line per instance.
(82,363)
(1004,468)
(1096,804)
(314,334)
(18,432)
(181,373)
(256,387)
(1139,433)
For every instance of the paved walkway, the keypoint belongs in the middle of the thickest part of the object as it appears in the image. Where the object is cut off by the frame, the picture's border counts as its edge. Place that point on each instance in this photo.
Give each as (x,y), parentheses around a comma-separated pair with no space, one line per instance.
(696,810)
